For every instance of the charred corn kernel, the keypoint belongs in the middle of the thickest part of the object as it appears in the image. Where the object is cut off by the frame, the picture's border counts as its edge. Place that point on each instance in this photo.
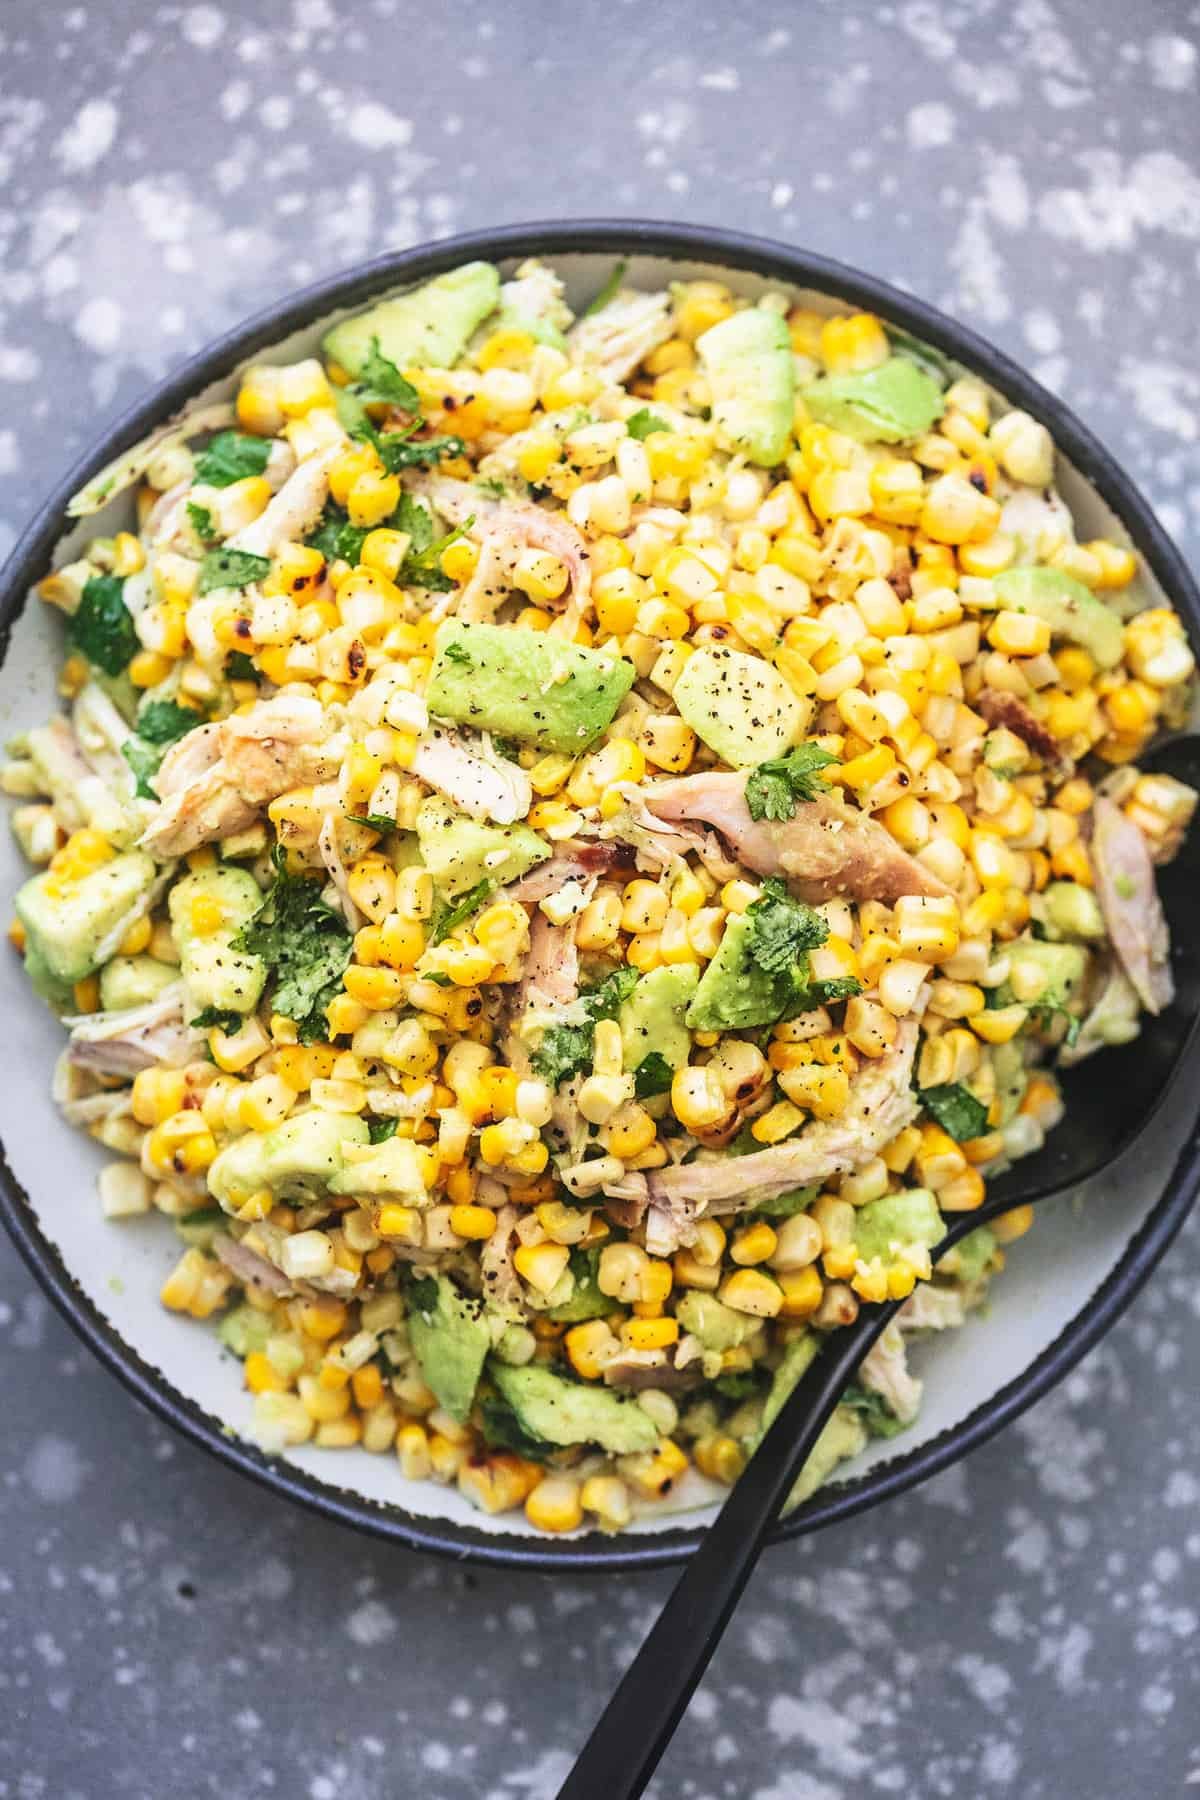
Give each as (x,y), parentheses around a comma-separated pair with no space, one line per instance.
(181,1144)
(555,1505)
(541,1265)
(653,1473)
(1019,634)
(697,1097)
(750,1291)
(801,1292)
(756,1244)
(157,1094)
(650,1334)
(1012,1225)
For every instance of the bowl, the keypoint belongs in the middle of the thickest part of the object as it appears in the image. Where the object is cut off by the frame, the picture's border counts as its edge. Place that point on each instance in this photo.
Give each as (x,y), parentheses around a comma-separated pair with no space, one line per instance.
(1065,1284)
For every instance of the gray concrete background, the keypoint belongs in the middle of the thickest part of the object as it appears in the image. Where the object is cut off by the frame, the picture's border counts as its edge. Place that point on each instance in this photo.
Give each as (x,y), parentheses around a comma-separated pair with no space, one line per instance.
(1027,1623)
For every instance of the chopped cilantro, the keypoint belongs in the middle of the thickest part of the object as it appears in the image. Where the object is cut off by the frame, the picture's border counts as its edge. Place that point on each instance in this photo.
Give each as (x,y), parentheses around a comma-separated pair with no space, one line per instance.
(955,1109)
(827,993)
(162,721)
(874,1411)
(306,946)
(566,1050)
(101,626)
(380,1130)
(458,654)
(739,1386)
(230,457)
(398,450)
(782,929)
(380,382)
(438,979)
(447,917)
(374,821)
(214,1019)
(609,291)
(240,667)
(202,523)
(231,569)
(143,759)
(336,538)
(605,1001)
(421,1294)
(643,422)
(1045,1012)
(653,1075)
(773,788)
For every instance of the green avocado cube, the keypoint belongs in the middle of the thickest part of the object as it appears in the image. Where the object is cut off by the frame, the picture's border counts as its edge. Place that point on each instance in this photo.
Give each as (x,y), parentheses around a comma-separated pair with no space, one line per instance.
(898,1222)
(67,924)
(652,1017)
(884,405)
(428,327)
(751,373)
(525,685)
(450,1339)
(569,1412)
(1071,610)
(460,852)
(739,705)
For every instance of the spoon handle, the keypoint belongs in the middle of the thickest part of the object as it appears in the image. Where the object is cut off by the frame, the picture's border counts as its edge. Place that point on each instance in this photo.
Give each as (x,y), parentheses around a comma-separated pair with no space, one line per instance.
(636,1726)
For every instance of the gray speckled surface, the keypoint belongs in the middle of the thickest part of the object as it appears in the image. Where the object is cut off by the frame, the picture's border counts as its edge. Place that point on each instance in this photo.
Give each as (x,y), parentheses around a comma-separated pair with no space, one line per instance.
(1027,1623)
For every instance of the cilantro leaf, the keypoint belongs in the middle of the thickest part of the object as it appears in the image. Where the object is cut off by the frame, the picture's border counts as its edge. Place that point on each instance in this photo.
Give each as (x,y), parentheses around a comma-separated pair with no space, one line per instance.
(306,946)
(828,992)
(773,788)
(230,457)
(421,1294)
(163,721)
(202,523)
(214,1019)
(1045,1012)
(874,1411)
(643,422)
(143,759)
(955,1109)
(374,821)
(380,381)
(653,1075)
(240,667)
(231,569)
(459,654)
(782,929)
(609,291)
(566,1050)
(397,450)
(336,538)
(101,627)
(447,917)
(380,1130)
(739,1386)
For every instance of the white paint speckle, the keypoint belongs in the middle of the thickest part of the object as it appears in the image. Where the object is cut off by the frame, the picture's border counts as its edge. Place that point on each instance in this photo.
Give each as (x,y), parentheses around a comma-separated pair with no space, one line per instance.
(930,125)
(376,127)
(54,1470)
(371,1624)
(1172,61)
(98,323)
(88,137)
(203,26)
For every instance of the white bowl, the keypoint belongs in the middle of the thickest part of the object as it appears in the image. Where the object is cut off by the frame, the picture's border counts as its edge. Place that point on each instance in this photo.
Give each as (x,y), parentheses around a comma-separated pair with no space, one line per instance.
(1065,1283)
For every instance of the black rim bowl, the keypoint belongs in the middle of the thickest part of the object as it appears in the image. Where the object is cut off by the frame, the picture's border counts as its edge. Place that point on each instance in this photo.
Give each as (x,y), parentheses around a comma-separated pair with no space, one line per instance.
(796,268)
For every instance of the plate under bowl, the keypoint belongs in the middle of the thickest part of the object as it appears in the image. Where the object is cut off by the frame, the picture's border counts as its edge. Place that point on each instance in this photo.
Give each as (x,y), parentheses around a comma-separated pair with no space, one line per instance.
(1065,1284)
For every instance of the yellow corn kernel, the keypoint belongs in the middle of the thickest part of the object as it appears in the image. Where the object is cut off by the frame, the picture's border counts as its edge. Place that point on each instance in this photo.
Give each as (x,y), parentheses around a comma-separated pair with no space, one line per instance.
(1019,634)
(400,1222)
(157,1094)
(778,1122)
(823,1091)
(1000,1025)
(149,668)
(755,1244)
(261,1376)
(650,1334)
(555,1505)
(541,1265)
(375,988)
(719,1457)
(474,1222)
(589,1347)
(181,1144)
(802,1291)
(852,344)
(1012,1225)
(750,1291)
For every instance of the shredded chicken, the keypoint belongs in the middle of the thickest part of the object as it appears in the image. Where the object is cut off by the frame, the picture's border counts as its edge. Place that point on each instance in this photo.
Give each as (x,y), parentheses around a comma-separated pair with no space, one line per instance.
(216,780)
(335,868)
(79,1101)
(132,464)
(291,513)
(136,1038)
(658,844)
(884,1371)
(471,774)
(1133,914)
(575,859)
(932,1308)
(80,795)
(881,1104)
(250,1267)
(824,850)
(550,977)
(615,338)
(500,1284)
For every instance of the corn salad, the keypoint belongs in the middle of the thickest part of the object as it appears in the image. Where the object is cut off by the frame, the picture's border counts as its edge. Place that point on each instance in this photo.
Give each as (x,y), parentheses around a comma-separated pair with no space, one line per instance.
(572,845)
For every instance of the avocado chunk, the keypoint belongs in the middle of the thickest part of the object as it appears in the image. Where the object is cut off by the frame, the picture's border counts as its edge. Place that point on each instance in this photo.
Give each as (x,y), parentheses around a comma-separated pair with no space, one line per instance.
(843,1437)
(245,1329)
(717,1326)
(740,706)
(734,991)
(652,1017)
(1042,973)
(133,981)
(214,973)
(69,925)
(880,406)
(747,359)
(525,685)
(586,1302)
(1012,1078)
(428,327)
(884,1228)
(1068,608)
(1067,910)
(971,1257)
(297,1160)
(450,1339)
(58,995)
(568,1412)
(393,1168)
(460,852)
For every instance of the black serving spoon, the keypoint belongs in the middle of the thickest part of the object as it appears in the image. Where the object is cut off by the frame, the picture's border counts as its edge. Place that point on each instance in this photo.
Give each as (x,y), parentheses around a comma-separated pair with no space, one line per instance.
(1110,1100)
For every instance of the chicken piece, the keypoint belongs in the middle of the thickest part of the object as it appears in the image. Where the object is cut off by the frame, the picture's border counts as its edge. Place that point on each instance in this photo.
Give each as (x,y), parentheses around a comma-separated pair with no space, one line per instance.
(79,1101)
(250,1268)
(551,974)
(504,536)
(291,513)
(136,1038)
(217,779)
(1113,1016)
(1133,914)
(131,465)
(884,1371)
(1007,711)
(824,850)
(932,1308)
(470,773)
(536,293)
(881,1104)
(658,845)
(634,1370)
(576,859)
(500,1284)
(335,868)
(81,796)
(615,338)
(1031,514)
